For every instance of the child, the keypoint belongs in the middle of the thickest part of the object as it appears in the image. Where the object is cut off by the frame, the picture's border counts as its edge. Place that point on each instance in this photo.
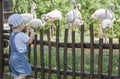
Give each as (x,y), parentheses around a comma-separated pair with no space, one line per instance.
(18,62)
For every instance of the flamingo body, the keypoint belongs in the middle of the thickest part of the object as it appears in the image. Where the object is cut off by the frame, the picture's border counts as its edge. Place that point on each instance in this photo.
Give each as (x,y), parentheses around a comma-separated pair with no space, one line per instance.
(102,14)
(27,17)
(73,18)
(35,23)
(53,15)
(72,15)
(106,23)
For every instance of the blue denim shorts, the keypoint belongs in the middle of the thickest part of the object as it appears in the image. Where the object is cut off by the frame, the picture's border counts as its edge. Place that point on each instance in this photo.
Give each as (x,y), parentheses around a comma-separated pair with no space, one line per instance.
(19,65)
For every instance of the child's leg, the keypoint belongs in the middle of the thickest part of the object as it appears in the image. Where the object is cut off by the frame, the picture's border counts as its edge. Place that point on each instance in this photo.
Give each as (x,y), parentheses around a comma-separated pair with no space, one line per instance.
(21,77)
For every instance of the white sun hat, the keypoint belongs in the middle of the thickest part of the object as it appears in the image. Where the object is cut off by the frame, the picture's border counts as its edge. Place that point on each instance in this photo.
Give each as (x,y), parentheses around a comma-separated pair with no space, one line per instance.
(15,20)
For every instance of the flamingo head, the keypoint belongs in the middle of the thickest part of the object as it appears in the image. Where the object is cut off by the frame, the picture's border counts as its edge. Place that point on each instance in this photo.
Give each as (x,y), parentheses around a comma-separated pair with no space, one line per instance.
(73,2)
(94,16)
(78,6)
(111,6)
(34,6)
(43,17)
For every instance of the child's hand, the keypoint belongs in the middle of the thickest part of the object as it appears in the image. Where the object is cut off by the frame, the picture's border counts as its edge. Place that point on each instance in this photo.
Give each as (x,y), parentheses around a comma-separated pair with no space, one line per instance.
(27,29)
(31,30)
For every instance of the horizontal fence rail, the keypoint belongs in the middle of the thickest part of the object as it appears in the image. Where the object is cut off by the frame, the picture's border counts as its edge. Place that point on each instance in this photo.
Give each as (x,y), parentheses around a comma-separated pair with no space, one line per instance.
(77,45)
(42,61)
(77,73)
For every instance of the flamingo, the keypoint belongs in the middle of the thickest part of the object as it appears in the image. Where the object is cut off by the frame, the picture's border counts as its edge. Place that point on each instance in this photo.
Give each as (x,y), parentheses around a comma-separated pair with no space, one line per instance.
(29,16)
(35,23)
(73,18)
(53,16)
(106,23)
(102,14)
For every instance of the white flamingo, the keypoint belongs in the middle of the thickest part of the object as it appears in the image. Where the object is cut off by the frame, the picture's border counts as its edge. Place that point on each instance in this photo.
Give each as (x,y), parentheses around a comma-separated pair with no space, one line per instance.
(106,23)
(35,23)
(102,14)
(73,18)
(53,16)
(29,16)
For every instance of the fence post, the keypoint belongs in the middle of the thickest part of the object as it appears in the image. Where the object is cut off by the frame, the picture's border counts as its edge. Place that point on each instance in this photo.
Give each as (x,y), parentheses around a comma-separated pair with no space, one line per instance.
(58,53)
(49,51)
(110,58)
(91,51)
(1,40)
(35,57)
(82,52)
(73,55)
(65,54)
(42,54)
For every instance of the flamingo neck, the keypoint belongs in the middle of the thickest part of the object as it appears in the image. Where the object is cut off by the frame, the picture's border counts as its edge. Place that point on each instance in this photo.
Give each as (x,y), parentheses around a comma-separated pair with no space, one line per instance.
(111,13)
(33,12)
(43,21)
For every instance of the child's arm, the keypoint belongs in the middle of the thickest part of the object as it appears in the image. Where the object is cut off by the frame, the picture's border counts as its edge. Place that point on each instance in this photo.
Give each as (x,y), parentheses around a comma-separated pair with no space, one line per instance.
(31,36)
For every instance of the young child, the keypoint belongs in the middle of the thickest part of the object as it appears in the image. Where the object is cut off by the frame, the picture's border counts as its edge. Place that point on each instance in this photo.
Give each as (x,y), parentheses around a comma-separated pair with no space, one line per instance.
(18,62)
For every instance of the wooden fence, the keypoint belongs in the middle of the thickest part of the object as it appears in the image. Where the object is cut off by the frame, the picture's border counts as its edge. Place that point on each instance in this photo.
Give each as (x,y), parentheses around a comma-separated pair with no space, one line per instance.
(41,70)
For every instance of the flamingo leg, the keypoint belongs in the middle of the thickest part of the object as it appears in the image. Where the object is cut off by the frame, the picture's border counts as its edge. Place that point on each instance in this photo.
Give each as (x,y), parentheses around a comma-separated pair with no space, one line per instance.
(36,30)
(73,28)
(69,27)
(52,29)
(112,32)
(105,35)
(100,32)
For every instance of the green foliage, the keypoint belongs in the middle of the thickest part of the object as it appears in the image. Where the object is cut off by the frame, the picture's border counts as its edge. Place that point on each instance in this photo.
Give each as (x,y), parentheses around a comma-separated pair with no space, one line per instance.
(87,8)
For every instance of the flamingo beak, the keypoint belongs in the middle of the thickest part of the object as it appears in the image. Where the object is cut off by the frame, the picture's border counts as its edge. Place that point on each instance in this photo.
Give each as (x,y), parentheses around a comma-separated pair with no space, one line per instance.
(92,16)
